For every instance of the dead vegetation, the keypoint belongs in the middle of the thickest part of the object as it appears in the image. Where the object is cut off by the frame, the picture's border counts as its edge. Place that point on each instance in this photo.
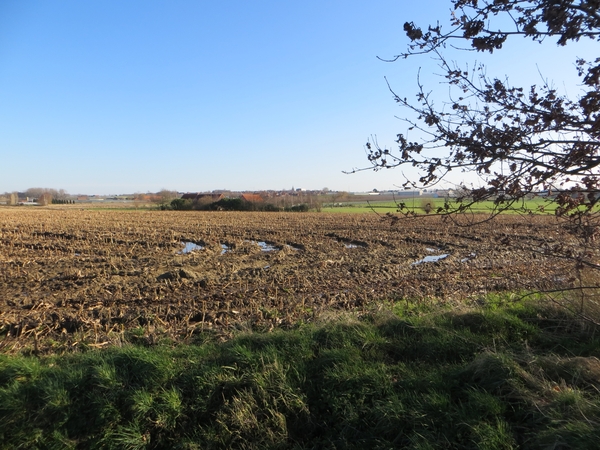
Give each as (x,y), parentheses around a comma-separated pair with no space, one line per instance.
(69,276)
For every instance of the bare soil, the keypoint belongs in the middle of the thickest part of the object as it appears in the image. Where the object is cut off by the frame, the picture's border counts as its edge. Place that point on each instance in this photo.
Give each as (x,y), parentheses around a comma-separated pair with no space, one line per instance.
(69,276)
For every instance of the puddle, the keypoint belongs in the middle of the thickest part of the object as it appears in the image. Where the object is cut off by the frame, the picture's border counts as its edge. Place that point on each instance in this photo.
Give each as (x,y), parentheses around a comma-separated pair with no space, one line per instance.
(348,243)
(225,248)
(354,244)
(432,258)
(190,247)
(468,258)
(265,246)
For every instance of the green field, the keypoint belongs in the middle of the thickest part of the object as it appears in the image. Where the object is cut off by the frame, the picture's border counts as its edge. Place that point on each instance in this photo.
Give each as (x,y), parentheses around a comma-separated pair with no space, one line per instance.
(416,205)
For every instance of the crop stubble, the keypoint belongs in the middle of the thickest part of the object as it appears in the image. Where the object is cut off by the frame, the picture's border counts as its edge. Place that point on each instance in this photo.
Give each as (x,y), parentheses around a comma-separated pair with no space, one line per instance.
(69,276)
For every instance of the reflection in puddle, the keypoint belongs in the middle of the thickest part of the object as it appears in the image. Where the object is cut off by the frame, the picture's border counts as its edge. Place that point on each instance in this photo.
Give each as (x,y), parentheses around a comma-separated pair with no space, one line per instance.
(355,244)
(432,258)
(469,258)
(190,247)
(225,248)
(265,246)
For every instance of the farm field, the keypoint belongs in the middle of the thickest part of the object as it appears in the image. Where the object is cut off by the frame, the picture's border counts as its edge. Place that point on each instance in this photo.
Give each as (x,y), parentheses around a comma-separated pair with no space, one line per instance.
(416,205)
(72,278)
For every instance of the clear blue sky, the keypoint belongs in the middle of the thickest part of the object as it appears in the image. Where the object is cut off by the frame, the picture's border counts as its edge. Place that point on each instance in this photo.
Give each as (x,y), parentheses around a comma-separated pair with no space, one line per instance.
(106,97)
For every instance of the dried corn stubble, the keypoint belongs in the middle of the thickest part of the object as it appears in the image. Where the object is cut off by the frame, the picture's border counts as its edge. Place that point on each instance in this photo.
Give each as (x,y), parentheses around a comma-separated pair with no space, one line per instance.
(94,276)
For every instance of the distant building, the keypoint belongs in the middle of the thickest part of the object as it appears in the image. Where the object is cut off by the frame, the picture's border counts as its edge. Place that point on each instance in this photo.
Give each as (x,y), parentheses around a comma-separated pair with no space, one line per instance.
(252,198)
(189,196)
(409,193)
(203,199)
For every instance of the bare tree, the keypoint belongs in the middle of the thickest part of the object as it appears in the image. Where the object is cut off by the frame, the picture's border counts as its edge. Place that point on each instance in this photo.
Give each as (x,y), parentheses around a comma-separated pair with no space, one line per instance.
(165,196)
(519,140)
(338,196)
(37,193)
(34,192)
(45,199)
(62,195)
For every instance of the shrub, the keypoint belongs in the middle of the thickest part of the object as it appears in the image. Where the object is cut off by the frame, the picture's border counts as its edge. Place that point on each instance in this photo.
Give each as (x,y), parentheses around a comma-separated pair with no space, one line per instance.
(229,204)
(426,206)
(181,204)
(298,208)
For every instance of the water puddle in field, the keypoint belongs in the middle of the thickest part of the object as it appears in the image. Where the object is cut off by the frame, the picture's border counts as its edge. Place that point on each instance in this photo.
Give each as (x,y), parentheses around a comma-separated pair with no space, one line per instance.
(190,247)
(431,258)
(469,258)
(348,243)
(265,246)
(354,244)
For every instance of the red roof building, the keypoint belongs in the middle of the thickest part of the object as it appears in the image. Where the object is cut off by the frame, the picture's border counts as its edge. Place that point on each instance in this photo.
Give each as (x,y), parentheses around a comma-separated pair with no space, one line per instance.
(252,198)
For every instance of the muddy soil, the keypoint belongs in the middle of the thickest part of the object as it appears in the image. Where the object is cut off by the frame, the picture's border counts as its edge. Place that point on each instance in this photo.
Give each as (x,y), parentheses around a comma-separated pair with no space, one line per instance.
(87,276)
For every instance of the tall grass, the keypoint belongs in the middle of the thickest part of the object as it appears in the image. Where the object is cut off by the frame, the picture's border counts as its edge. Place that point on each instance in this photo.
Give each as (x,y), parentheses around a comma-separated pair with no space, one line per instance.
(505,375)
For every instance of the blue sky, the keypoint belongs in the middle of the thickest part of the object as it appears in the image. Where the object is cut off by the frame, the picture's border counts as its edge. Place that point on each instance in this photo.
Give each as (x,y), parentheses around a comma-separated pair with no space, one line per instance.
(106,97)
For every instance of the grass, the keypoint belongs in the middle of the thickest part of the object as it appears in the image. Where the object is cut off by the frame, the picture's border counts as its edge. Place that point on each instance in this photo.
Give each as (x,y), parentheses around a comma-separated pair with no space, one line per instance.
(536,205)
(505,375)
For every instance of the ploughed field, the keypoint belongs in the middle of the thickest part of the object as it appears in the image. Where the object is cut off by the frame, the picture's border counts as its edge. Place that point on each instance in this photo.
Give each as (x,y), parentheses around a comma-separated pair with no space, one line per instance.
(73,277)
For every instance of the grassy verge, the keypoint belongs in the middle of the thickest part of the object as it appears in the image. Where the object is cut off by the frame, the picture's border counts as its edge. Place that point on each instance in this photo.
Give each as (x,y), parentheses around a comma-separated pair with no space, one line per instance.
(505,375)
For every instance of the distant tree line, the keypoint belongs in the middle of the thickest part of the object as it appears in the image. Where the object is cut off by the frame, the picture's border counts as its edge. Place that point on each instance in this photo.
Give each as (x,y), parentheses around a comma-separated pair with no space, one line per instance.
(229,204)
(52,194)
(43,196)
